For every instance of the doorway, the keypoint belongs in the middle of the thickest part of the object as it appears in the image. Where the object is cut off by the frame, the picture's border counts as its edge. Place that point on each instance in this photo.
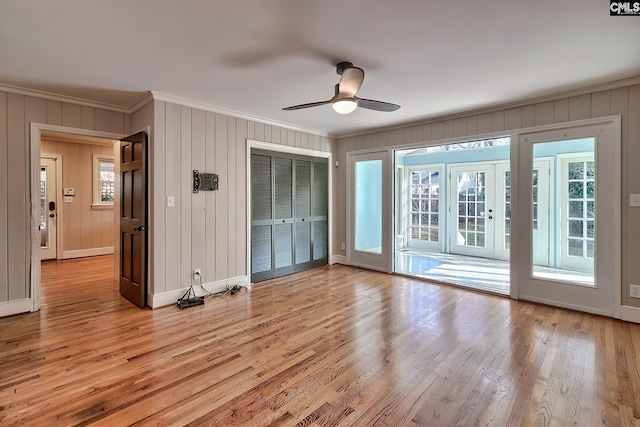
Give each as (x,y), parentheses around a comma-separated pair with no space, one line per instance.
(453,213)
(79,222)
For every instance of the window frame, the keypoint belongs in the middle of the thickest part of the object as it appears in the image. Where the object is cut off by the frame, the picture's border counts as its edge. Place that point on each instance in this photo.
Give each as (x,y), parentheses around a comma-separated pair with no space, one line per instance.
(97,202)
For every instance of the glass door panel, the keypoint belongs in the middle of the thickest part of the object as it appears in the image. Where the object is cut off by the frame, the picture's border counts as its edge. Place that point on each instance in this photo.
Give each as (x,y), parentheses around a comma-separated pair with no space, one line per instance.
(48,209)
(368,204)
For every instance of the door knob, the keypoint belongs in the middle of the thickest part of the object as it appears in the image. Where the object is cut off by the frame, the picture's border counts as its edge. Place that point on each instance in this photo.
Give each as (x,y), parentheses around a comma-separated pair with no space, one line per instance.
(139,228)
(52,215)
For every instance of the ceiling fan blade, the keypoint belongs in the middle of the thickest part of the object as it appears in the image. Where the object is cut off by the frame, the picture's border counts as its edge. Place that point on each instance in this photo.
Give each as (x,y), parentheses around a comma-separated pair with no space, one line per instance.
(350,81)
(309,105)
(371,104)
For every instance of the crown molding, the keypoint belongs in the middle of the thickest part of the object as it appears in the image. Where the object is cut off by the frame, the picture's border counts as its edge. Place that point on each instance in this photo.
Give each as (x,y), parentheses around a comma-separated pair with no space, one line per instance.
(148,98)
(213,109)
(522,103)
(63,98)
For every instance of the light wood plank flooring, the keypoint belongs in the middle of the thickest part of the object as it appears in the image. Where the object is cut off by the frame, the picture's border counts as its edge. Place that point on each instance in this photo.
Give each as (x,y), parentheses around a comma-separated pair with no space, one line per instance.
(327,347)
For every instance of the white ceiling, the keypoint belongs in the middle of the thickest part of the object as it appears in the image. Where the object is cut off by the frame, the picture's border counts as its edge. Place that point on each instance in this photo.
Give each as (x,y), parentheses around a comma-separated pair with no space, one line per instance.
(256,56)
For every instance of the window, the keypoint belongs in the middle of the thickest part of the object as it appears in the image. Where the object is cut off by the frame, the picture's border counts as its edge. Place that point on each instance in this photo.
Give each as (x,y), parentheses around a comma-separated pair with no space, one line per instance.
(425,210)
(103,181)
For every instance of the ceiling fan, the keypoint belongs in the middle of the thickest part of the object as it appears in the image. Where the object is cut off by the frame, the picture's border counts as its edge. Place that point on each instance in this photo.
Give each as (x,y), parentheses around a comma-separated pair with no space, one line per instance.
(345,100)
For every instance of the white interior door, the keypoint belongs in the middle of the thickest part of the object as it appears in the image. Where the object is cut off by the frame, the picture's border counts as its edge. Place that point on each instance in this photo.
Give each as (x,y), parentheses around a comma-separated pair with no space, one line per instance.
(370,205)
(48,209)
(587,226)
(472,209)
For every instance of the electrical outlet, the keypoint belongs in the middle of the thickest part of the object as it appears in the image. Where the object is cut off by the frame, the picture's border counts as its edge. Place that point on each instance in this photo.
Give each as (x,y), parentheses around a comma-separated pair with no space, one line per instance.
(197,273)
(634,291)
(342,246)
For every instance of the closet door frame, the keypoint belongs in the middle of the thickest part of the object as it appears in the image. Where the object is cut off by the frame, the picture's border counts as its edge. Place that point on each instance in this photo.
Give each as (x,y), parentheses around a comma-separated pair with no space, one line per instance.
(288,150)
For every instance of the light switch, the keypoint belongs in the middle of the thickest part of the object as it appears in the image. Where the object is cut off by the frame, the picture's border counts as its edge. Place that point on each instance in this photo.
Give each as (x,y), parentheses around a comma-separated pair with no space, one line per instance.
(634,200)
(170,202)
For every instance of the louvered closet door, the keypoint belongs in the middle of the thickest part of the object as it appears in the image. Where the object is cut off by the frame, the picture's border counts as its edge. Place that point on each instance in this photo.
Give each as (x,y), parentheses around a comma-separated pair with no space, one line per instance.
(261,217)
(320,212)
(289,215)
(283,228)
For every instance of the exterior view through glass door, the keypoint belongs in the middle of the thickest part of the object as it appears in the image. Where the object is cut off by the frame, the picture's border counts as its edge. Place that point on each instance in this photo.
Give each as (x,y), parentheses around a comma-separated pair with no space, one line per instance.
(48,209)
(370,210)
(582,265)
(453,213)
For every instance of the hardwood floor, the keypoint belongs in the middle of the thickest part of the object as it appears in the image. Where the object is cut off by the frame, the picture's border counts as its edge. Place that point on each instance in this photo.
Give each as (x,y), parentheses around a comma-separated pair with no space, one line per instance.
(327,347)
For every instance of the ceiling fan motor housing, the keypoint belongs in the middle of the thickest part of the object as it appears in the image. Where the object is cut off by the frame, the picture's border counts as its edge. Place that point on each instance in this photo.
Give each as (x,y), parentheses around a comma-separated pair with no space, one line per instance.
(343,66)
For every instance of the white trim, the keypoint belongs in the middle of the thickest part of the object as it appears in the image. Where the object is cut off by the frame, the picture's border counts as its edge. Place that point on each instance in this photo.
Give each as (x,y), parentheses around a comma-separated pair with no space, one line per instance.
(81,253)
(252,143)
(171,297)
(35,136)
(630,314)
(214,109)
(9,308)
(565,305)
(269,146)
(520,103)
(338,259)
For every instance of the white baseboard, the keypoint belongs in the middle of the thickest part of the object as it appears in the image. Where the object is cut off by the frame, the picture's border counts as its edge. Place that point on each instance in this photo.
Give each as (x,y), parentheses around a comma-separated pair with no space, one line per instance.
(171,297)
(630,314)
(81,253)
(338,259)
(565,305)
(9,308)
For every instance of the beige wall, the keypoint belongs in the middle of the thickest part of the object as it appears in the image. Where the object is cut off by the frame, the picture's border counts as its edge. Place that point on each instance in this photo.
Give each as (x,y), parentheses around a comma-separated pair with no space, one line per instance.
(17,111)
(83,226)
(622,100)
(205,230)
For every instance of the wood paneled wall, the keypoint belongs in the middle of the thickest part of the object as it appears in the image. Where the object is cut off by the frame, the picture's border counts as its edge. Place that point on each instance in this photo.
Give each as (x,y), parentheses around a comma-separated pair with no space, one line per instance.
(83,227)
(624,101)
(205,230)
(17,111)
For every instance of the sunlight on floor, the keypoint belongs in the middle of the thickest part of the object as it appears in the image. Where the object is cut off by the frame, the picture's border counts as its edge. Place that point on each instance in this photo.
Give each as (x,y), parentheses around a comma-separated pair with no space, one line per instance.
(477,273)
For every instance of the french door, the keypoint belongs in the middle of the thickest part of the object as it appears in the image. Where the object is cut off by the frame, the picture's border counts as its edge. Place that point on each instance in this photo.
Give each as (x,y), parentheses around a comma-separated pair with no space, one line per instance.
(480,209)
(473,208)
(369,210)
(584,266)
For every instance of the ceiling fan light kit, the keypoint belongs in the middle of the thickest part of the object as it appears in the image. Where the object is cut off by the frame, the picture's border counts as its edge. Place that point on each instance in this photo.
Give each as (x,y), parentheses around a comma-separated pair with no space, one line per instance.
(344,106)
(345,100)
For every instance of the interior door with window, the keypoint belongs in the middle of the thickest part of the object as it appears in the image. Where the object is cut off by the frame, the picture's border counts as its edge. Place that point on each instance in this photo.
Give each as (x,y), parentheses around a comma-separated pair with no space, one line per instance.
(370,206)
(583,272)
(133,218)
(48,208)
